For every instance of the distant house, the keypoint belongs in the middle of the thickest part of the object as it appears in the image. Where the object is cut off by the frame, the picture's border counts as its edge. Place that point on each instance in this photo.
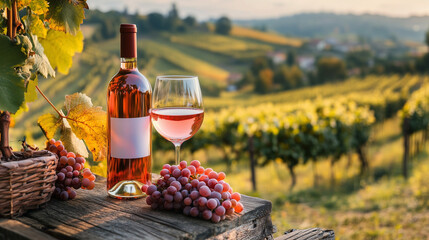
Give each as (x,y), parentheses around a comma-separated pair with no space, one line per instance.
(318,44)
(233,78)
(306,63)
(277,57)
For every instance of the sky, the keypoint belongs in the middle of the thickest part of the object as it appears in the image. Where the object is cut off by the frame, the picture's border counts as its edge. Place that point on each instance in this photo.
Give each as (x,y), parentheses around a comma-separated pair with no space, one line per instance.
(259,9)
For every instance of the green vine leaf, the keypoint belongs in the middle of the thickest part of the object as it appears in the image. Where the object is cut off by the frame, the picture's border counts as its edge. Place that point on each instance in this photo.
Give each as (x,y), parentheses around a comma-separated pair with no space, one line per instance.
(65,15)
(41,61)
(30,94)
(12,86)
(5,3)
(60,47)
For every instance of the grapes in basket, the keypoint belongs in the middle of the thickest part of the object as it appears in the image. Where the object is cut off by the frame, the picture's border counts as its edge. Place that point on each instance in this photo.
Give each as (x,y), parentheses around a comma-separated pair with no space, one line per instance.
(71,173)
(195,191)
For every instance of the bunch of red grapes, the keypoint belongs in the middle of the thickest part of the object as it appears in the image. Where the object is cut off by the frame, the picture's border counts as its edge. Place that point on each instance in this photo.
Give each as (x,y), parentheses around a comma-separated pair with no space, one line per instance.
(71,173)
(193,190)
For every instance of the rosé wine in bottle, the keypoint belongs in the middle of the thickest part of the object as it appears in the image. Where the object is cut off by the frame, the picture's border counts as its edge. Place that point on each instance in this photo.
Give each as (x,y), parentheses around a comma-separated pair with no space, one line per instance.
(177,124)
(129,95)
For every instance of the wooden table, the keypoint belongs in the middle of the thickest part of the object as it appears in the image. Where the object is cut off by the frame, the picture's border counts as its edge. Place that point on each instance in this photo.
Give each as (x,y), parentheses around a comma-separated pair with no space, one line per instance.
(94,215)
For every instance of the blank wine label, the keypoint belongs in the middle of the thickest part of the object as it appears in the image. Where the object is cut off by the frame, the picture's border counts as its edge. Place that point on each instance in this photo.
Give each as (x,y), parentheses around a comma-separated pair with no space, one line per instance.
(130,137)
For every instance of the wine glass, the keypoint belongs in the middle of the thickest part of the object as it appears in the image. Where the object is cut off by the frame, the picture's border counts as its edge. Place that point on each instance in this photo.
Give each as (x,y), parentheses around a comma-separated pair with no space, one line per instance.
(177,108)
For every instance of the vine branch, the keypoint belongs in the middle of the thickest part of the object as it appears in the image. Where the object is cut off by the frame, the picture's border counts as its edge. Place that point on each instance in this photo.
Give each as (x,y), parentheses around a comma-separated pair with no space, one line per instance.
(52,105)
(13,24)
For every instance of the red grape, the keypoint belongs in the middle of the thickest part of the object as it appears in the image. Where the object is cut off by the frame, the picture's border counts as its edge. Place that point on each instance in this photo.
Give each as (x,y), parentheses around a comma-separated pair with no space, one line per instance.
(63,160)
(207,171)
(200,170)
(236,196)
(220,211)
(207,214)
(202,201)
(215,218)
(239,207)
(213,174)
(221,176)
(64,195)
(192,169)
(85,182)
(204,191)
(182,164)
(61,176)
(166,166)
(211,203)
(193,190)
(218,188)
(226,204)
(194,212)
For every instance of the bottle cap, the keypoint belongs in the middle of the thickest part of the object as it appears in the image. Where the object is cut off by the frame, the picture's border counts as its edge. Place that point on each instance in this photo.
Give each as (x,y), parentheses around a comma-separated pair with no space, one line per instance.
(128,40)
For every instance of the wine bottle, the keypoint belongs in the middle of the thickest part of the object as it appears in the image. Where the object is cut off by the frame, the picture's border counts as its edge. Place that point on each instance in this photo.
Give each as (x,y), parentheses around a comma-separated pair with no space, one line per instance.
(129,93)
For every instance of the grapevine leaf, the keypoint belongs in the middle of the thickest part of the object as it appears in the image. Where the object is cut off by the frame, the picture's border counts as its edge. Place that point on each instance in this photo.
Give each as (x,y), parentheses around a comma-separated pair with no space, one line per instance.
(70,141)
(5,3)
(77,99)
(41,62)
(49,123)
(65,15)
(88,123)
(60,47)
(36,25)
(37,6)
(31,92)
(11,84)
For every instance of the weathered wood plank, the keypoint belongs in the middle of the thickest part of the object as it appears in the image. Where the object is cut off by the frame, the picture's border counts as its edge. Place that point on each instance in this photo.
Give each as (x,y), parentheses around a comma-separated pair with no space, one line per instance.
(94,215)
(19,231)
(308,234)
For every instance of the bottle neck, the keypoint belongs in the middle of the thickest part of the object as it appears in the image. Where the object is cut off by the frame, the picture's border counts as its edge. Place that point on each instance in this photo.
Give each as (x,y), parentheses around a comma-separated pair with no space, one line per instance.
(129,63)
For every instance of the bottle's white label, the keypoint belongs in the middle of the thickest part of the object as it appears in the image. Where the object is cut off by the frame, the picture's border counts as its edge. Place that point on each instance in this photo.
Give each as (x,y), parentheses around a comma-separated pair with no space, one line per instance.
(130,137)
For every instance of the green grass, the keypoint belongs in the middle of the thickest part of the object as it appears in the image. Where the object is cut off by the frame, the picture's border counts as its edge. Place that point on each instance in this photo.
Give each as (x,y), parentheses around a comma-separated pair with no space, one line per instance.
(224,45)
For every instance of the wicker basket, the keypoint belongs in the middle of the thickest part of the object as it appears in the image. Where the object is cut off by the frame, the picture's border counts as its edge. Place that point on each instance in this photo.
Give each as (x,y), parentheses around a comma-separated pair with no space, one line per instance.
(26,184)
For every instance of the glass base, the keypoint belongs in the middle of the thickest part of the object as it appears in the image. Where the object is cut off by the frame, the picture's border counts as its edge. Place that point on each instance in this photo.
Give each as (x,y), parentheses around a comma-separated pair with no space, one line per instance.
(127,189)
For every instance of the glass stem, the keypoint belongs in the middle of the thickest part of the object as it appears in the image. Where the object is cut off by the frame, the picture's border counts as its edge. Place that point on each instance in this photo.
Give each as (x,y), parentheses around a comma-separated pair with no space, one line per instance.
(177,151)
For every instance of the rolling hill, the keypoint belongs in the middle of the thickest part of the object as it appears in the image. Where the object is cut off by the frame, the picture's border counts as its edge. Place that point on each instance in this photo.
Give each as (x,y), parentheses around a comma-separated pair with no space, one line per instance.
(322,25)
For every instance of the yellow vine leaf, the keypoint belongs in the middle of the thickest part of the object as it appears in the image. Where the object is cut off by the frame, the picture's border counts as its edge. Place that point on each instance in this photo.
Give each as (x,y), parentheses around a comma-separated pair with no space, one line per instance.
(49,123)
(88,123)
(60,47)
(70,141)
(37,6)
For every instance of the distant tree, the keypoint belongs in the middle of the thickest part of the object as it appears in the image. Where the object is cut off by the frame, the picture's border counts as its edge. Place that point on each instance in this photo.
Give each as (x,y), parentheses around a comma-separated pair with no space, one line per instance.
(223,26)
(142,24)
(422,64)
(288,77)
(173,21)
(156,21)
(260,63)
(330,69)
(291,58)
(190,21)
(264,81)
(359,59)
(427,38)
(248,79)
